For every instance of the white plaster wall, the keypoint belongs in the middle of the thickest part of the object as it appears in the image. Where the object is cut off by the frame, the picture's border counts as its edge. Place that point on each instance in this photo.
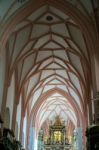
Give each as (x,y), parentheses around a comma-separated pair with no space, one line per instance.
(24,130)
(97,73)
(80,145)
(16,131)
(7,118)
(2,74)
(10,97)
(18,116)
(35,144)
(32,141)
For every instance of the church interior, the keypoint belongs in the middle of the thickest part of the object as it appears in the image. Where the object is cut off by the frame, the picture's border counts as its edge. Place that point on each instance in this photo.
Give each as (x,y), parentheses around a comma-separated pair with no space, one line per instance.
(49,74)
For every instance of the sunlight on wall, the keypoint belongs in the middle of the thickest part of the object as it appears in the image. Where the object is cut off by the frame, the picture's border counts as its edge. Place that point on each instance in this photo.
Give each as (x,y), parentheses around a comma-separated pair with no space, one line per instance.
(10,98)
(24,131)
(18,117)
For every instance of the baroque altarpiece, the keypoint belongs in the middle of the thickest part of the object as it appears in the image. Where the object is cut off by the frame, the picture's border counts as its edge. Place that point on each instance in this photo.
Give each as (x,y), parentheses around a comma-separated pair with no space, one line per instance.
(57,137)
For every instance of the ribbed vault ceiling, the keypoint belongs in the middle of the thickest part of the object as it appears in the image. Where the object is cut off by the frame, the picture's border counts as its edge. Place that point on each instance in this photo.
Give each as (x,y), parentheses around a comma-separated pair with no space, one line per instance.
(56,105)
(48,51)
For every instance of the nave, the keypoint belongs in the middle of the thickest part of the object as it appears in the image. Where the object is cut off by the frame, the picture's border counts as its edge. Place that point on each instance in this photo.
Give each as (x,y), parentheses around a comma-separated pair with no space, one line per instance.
(49,74)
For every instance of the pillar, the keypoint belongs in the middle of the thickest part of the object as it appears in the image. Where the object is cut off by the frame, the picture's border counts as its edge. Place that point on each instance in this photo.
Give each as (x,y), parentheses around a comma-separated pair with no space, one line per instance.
(32,141)
(31,138)
(79,140)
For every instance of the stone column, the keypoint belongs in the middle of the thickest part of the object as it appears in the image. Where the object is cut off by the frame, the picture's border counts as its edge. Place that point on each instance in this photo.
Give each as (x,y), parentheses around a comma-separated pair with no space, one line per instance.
(31,139)
(79,140)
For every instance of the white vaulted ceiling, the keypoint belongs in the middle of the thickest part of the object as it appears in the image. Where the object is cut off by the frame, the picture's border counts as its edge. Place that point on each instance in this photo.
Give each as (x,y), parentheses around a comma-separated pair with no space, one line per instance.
(49,52)
(7,8)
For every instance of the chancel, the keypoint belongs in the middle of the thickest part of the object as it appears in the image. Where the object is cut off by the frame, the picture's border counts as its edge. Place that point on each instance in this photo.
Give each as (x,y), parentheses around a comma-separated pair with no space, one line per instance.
(57,138)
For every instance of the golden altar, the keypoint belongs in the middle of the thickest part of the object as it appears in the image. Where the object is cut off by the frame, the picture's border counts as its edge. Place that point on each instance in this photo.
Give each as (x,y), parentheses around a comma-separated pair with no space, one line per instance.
(57,137)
